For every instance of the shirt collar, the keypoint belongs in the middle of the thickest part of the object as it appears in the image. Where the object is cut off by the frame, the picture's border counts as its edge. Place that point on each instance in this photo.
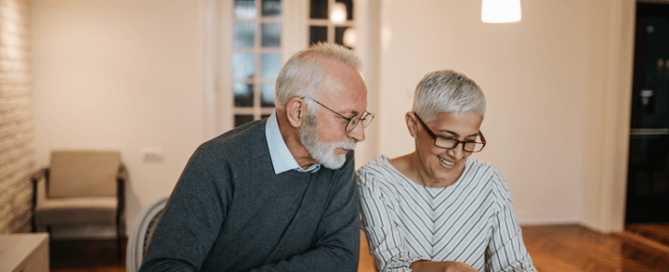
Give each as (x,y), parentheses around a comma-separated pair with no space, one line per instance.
(282,159)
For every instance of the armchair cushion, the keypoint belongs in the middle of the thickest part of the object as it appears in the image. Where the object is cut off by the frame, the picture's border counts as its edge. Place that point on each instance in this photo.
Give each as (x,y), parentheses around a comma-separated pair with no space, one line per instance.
(80,210)
(83,173)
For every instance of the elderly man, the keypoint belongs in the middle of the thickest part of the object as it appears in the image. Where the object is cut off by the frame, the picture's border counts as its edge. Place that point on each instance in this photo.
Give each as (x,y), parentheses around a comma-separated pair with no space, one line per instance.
(257,199)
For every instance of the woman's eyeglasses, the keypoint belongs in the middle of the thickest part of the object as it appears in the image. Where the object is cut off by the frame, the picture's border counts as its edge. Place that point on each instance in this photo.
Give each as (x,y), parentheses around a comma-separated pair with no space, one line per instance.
(450,143)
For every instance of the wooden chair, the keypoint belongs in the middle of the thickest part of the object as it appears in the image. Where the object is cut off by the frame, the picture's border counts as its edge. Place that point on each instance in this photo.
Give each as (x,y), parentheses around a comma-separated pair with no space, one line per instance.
(146,223)
(367,263)
(141,232)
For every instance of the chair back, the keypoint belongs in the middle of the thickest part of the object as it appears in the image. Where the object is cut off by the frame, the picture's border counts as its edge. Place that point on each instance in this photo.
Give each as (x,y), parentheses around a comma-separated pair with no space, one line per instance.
(141,232)
(83,173)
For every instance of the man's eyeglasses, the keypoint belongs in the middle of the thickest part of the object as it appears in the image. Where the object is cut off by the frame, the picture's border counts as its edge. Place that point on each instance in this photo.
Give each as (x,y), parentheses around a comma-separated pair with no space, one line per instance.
(354,120)
(450,143)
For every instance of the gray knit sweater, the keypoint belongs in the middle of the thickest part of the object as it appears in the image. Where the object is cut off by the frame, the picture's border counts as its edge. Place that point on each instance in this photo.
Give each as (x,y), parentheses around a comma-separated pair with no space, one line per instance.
(230,212)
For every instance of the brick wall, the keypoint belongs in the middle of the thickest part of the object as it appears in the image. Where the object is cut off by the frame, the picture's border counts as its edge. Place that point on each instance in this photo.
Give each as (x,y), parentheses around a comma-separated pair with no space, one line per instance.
(17,136)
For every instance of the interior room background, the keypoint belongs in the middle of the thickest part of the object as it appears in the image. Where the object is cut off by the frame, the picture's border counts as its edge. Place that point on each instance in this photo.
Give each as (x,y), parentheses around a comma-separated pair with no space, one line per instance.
(132,75)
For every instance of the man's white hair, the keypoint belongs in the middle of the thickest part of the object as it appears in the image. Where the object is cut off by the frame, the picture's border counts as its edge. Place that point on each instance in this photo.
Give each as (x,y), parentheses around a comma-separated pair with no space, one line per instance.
(303,76)
(447,91)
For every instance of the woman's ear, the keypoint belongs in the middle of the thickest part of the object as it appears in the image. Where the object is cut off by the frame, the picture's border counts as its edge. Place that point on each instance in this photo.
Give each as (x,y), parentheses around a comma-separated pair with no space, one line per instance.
(296,111)
(412,123)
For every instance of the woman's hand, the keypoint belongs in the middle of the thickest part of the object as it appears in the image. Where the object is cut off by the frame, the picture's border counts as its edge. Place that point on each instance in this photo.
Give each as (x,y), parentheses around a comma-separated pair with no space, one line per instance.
(429,266)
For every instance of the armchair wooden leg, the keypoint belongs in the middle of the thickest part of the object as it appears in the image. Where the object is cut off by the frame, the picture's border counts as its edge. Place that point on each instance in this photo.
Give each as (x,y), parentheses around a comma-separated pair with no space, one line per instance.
(119,253)
(48,230)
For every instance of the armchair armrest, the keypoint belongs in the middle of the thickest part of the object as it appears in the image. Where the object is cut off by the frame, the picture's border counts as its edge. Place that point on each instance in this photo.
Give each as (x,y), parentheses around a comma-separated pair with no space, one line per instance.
(122,174)
(40,175)
(121,180)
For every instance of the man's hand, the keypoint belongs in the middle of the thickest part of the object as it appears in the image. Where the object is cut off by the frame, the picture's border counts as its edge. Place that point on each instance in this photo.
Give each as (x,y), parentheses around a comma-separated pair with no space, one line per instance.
(429,266)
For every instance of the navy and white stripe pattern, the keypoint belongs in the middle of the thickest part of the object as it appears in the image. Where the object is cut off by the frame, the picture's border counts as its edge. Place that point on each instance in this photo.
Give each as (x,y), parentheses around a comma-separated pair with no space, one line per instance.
(471,221)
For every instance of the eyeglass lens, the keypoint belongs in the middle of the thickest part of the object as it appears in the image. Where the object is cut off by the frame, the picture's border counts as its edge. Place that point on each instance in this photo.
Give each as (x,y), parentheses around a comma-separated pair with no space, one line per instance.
(451,143)
(365,120)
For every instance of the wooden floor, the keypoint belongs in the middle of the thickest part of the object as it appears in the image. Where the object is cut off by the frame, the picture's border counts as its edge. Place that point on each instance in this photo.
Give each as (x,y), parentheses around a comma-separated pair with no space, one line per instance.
(563,248)
(86,256)
(657,232)
(574,248)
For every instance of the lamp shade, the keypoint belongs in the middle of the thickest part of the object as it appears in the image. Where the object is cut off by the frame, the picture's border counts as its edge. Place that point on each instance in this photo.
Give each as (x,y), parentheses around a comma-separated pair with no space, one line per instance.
(500,11)
(350,38)
(338,13)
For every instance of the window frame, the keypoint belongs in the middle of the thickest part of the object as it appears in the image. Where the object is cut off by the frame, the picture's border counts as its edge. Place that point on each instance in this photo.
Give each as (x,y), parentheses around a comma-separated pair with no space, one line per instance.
(217,34)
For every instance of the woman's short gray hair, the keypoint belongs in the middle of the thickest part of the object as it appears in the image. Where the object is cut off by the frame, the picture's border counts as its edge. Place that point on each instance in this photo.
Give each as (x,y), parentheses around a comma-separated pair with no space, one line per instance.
(447,91)
(303,76)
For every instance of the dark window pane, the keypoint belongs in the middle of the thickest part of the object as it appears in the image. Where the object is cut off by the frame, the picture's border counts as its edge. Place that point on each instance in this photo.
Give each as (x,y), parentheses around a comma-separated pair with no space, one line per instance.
(318,34)
(243,95)
(270,65)
(245,9)
(264,116)
(267,95)
(319,9)
(271,34)
(349,8)
(271,8)
(344,38)
(242,119)
(244,34)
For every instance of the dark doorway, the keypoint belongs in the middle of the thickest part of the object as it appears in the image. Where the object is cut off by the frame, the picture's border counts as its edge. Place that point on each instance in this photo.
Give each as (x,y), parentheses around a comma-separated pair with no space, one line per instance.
(648,176)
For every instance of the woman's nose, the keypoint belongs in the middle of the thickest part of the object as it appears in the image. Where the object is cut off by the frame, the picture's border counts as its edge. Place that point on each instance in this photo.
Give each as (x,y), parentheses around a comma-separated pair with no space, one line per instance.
(457,152)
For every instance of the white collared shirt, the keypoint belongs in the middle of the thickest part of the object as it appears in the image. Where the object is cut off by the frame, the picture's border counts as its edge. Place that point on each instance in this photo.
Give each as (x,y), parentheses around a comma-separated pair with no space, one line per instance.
(282,159)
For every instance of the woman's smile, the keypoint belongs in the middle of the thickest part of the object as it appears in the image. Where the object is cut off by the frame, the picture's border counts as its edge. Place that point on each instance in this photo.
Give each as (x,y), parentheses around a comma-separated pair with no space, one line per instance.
(446,162)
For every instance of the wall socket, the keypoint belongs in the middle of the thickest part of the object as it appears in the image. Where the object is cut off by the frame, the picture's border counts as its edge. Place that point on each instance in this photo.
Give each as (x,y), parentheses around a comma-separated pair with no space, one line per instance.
(152,154)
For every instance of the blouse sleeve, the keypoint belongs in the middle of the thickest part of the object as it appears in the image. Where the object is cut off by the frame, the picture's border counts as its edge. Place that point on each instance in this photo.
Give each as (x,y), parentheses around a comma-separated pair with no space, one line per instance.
(386,241)
(507,251)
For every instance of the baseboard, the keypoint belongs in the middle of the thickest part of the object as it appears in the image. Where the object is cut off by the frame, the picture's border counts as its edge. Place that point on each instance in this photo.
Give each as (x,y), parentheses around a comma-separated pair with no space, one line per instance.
(592,225)
(546,217)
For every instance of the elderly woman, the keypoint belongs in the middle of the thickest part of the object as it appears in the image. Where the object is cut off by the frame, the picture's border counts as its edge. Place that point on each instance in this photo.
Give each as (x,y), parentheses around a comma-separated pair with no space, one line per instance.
(436,209)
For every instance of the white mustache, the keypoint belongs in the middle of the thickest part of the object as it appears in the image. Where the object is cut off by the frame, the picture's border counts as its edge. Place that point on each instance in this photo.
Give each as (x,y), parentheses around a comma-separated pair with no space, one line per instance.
(348,145)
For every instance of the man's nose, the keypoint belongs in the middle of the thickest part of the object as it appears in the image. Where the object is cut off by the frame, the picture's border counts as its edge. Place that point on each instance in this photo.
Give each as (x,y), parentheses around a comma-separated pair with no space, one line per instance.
(358,133)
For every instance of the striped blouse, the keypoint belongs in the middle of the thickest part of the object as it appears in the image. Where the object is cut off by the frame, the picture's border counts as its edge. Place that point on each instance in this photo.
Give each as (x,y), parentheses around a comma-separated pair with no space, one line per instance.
(471,221)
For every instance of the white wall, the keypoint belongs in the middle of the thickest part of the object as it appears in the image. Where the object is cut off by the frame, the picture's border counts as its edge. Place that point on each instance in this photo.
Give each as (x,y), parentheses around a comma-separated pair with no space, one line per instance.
(535,77)
(128,74)
(120,74)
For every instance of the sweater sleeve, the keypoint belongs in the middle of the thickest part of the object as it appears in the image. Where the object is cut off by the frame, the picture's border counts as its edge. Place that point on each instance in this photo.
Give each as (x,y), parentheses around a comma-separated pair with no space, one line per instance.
(337,242)
(194,214)
(386,241)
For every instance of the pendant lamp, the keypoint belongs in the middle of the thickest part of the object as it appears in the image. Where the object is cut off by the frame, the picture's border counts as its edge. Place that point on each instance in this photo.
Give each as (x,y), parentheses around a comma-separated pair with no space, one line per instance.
(500,11)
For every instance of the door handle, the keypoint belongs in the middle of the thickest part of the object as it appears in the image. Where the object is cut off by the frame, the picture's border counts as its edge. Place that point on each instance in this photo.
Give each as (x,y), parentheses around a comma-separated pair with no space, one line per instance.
(649,131)
(645,96)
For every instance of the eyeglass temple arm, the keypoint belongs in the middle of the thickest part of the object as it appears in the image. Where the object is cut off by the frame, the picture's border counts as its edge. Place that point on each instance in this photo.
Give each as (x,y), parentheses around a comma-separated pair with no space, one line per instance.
(482,138)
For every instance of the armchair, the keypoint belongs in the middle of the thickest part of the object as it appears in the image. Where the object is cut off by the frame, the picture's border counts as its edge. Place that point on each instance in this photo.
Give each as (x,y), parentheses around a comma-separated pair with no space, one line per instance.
(80,188)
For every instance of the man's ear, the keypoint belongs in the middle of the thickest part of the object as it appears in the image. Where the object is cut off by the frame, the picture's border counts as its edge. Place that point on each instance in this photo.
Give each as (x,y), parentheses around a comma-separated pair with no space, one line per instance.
(296,111)
(412,123)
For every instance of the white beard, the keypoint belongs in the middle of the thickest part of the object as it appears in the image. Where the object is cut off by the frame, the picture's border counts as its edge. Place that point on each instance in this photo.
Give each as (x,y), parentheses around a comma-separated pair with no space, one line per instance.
(322,152)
